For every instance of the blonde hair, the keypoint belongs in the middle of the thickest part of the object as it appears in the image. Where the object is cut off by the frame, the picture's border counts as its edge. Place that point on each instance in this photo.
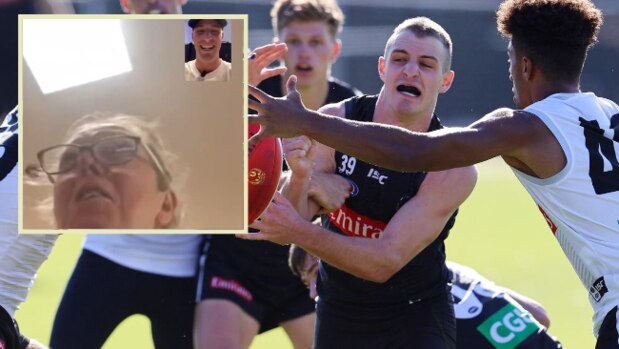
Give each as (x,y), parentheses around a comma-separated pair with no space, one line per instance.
(92,124)
(285,12)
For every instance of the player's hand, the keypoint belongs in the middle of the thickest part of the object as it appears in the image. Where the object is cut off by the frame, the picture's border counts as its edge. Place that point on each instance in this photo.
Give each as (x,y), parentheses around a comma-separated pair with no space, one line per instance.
(280,223)
(260,59)
(278,117)
(300,155)
(329,190)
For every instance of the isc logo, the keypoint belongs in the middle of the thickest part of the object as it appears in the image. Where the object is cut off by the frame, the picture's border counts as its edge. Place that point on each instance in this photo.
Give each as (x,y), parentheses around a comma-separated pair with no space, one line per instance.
(376,175)
(508,327)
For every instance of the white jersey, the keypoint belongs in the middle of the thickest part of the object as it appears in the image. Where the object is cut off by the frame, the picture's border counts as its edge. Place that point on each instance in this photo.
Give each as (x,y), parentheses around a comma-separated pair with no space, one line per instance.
(20,255)
(163,254)
(8,169)
(222,73)
(581,203)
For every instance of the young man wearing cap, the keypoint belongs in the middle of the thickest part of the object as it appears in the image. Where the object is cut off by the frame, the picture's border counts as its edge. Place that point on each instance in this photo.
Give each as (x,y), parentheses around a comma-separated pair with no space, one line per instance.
(207,36)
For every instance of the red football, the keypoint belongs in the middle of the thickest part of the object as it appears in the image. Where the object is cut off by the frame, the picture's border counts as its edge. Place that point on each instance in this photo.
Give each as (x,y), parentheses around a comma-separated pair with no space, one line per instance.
(264,164)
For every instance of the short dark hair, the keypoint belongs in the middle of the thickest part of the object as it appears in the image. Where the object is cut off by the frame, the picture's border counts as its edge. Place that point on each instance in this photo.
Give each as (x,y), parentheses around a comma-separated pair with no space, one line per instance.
(555,34)
(424,27)
(296,259)
(286,11)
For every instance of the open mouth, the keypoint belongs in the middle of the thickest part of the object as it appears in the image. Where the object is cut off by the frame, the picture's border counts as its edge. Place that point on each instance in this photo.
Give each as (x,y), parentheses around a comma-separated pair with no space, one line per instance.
(92,193)
(409,90)
(304,68)
(154,9)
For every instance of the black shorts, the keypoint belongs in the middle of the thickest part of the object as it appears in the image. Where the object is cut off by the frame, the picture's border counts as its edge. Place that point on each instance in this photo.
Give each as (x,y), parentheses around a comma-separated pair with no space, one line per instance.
(255,276)
(608,338)
(427,324)
(101,294)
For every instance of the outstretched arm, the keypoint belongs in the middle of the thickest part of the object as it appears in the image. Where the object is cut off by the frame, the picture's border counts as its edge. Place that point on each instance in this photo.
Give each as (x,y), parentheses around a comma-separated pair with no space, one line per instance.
(501,132)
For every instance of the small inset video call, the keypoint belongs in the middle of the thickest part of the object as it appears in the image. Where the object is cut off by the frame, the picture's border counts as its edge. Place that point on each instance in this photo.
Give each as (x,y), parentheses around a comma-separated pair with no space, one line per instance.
(208,50)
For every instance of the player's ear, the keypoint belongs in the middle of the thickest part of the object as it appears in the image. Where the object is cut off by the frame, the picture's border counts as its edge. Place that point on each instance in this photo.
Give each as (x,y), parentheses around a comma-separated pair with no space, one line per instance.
(527,68)
(337,47)
(448,79)
(381,68)
(165,216)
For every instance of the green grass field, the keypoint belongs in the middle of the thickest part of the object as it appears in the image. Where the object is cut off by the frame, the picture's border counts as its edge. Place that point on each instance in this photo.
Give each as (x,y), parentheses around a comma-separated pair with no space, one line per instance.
(499,232)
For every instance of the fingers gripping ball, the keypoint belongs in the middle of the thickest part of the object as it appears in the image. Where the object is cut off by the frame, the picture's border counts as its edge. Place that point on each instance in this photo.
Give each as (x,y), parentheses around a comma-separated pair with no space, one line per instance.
(264,164)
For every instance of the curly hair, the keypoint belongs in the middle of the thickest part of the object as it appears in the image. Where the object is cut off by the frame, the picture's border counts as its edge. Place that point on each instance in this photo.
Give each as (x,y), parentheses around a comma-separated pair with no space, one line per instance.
(285,12)
(555,34)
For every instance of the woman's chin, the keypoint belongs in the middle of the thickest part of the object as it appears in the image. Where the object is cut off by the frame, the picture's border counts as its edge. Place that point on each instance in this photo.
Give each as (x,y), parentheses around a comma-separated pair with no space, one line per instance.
(94,223)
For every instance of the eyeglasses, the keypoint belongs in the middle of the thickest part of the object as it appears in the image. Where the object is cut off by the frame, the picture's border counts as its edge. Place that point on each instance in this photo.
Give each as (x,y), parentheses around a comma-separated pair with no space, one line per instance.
(110,151)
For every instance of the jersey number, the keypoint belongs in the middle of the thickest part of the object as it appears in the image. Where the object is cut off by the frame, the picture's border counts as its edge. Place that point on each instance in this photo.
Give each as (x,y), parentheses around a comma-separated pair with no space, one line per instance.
(347,165)
(601,148)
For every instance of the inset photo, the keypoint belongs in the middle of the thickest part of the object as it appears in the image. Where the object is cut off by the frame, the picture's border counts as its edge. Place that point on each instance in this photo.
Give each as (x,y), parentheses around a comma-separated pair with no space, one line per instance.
(113,137)
(208,50)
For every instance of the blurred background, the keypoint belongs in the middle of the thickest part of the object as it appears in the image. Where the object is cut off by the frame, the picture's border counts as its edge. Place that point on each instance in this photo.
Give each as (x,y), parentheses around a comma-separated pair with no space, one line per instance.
(480,59)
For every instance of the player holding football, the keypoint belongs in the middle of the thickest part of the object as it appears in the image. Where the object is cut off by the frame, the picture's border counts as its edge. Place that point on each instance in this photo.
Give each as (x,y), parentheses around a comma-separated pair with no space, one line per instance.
(246,283)
(561,144)
(383,280)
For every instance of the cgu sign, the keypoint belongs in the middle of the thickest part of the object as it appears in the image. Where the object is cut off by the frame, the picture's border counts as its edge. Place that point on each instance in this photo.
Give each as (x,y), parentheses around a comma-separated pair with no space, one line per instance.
(508,327)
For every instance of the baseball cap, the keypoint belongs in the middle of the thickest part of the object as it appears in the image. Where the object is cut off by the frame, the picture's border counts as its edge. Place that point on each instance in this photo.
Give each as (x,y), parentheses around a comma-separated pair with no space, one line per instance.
(193,22)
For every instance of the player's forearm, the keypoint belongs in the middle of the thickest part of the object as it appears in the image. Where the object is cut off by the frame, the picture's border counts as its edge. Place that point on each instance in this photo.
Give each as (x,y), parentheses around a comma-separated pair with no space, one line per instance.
(382,145)
(295,189)
(368,259)
(394,147)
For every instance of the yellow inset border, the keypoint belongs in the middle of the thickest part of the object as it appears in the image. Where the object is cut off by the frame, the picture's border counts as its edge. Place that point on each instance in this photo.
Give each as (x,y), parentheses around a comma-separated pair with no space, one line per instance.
(243,60)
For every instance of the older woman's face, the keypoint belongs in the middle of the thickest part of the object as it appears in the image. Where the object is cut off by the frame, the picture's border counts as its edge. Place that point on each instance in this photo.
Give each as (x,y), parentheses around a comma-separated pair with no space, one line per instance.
(93,195)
